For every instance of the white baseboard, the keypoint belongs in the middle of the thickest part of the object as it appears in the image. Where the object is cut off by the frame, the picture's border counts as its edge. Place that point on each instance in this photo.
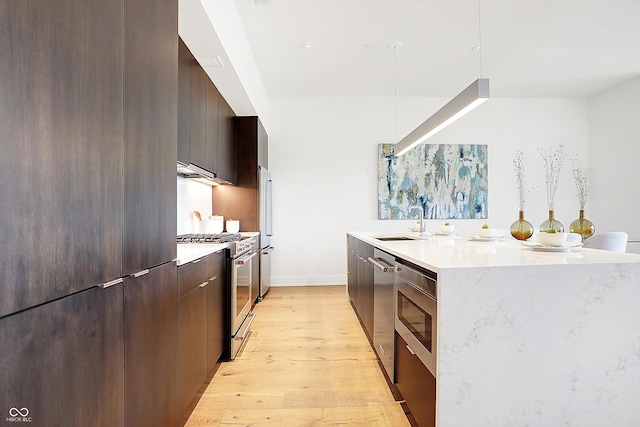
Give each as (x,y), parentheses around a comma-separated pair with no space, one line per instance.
(308,280)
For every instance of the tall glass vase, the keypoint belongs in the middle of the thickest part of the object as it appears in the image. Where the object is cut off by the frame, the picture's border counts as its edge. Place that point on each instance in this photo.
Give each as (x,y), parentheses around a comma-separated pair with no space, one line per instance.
(551,223)
(583,227)
(521,229)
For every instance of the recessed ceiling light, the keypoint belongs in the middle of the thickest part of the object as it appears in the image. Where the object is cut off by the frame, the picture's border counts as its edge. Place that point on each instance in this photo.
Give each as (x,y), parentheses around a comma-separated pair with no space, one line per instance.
(307,46)
(367,46)
(476,48)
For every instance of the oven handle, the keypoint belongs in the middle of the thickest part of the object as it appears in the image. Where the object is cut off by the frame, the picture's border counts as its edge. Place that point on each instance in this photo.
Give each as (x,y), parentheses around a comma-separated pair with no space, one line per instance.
(242,260)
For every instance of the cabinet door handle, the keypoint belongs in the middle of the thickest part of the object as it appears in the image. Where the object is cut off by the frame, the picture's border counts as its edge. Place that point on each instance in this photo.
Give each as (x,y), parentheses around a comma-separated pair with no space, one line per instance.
(410,350)
(196,261)
(203,284)
(211,279)
(111,283)
(140,273)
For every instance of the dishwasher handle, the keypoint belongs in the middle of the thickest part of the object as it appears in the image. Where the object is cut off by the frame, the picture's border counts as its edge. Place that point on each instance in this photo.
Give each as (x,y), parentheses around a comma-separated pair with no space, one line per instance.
(381,265)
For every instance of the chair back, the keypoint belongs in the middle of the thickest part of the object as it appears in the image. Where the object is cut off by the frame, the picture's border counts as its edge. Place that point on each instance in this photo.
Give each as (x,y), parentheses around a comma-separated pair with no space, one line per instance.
(574,238)
(610,241)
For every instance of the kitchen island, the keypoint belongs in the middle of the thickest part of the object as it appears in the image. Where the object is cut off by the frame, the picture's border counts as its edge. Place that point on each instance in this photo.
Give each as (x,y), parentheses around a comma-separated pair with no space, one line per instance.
(528,338)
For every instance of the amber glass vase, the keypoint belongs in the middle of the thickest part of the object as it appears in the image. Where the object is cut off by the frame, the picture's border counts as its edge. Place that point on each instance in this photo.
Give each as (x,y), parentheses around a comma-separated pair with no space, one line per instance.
(521,229)
(582,226)
(551,223)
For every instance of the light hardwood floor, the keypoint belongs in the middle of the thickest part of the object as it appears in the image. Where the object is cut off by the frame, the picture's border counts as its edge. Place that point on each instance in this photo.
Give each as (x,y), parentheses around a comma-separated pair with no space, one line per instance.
(306,363)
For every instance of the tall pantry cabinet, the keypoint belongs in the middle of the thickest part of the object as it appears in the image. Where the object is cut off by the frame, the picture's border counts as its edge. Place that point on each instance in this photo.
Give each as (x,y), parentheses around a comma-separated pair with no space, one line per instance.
(88,123)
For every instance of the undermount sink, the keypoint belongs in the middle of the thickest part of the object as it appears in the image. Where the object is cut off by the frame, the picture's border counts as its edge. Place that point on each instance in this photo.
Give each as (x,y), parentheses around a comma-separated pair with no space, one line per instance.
(386,239)
(394,238)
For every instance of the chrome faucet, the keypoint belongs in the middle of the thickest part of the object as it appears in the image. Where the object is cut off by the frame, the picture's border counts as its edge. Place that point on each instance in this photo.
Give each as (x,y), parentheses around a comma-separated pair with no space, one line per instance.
(422,228)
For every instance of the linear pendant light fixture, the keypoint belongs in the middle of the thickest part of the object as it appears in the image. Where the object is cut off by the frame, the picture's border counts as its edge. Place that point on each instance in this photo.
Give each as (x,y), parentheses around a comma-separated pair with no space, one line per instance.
(475,94)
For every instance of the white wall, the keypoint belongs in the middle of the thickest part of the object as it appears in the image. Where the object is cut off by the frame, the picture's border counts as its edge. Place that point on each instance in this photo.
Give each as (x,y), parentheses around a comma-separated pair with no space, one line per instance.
(323,157)
(614,144)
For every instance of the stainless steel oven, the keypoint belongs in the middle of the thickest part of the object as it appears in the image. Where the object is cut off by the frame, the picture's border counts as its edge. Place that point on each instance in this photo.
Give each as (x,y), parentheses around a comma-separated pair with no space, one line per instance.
(242,257)
(417,312)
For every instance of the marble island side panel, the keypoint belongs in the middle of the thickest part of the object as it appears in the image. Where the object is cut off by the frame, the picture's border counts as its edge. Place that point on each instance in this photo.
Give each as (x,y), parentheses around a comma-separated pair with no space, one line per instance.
(552,345)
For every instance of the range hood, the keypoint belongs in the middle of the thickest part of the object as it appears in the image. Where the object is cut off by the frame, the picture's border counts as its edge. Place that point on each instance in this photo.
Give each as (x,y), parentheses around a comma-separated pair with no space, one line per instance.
(199,174)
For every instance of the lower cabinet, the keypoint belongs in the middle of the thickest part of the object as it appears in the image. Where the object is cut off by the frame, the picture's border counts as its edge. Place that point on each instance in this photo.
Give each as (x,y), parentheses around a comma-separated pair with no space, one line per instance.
(150,333)
(202,328)
(216,311)
(62,363)
(417,385)
(360,282)
(192,347)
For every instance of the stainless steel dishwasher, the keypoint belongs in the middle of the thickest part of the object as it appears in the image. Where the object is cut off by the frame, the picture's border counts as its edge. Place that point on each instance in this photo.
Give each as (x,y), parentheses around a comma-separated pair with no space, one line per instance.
(383,309)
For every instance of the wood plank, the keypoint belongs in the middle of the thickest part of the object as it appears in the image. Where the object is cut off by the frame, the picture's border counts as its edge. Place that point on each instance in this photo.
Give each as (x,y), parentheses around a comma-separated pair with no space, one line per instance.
(306,363)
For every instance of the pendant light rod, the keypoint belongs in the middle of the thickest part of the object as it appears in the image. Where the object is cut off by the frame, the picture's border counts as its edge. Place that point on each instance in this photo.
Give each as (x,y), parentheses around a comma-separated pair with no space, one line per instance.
(475,94)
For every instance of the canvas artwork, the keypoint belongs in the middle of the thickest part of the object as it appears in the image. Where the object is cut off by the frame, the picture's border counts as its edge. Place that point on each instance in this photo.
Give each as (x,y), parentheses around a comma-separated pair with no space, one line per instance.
(449,181)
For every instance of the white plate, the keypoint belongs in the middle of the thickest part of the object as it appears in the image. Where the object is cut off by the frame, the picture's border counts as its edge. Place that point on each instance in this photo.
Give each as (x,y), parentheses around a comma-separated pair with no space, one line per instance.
(486,239)
(440,233)
(565,247)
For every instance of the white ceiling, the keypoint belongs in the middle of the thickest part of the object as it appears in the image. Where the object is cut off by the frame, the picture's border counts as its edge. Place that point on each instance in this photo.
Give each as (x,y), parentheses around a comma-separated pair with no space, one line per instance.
(530,48)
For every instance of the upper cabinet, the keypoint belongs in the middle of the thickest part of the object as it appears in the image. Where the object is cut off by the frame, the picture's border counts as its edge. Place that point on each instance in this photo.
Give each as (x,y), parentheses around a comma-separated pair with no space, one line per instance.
(205,131)
(184,101)
(252,149)
(198,116)
(88,144)
(150,133)
(60,138)
(226,142)
(211,126)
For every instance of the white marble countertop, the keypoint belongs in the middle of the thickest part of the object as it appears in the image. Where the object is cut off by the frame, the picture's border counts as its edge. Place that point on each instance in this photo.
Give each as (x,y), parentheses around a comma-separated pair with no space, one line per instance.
(444,252)
(188,252)
(531,338)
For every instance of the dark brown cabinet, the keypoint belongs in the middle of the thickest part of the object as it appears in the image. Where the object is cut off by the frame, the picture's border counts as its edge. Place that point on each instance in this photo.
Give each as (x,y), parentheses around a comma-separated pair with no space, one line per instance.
(184,101)
(151,334)
(60,138)
(226,144)
(241,202)
(64,361)
(211,134)
(360,282)
(192,347)
(217,328)
(205,131)
(150,133)
(88,103)
(202,330)
(416,383)
(198,115)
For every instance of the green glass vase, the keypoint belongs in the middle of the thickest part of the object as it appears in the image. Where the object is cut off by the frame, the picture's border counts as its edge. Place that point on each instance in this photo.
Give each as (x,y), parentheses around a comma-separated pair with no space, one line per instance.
(521,229)
(583,227)
(550,223)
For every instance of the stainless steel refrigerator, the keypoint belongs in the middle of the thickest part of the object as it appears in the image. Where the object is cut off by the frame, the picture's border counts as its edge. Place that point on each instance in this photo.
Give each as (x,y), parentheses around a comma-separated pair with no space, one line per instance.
(265,219)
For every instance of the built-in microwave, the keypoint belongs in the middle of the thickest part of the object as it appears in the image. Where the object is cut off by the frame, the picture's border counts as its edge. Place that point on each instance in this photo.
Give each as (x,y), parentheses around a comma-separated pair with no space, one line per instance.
(416,312)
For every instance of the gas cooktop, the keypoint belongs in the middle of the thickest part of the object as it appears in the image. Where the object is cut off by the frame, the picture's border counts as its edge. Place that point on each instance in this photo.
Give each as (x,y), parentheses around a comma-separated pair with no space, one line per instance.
(209,238)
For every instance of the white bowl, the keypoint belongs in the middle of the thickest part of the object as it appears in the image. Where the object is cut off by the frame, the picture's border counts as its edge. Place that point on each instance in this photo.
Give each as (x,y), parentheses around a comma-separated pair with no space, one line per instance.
(486,232)
(552,239)
(446,228)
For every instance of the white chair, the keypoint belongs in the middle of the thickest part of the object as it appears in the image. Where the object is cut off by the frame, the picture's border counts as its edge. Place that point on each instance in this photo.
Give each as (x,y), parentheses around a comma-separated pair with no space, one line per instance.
(574,238)
(611,241)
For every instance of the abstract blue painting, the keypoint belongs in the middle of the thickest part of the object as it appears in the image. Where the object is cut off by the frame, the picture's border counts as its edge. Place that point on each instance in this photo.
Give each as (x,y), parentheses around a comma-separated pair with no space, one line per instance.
(449,181)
